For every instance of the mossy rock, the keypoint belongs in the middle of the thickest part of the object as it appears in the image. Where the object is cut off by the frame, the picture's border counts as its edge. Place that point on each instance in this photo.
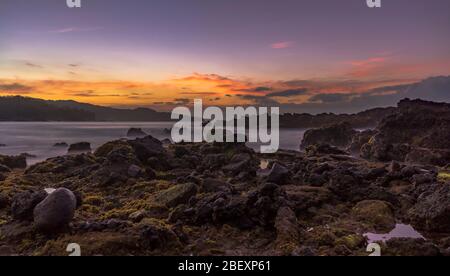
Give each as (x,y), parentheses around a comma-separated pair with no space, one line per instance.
(176,195)
(444,176)
(375,214)
(352,242)
(107,148)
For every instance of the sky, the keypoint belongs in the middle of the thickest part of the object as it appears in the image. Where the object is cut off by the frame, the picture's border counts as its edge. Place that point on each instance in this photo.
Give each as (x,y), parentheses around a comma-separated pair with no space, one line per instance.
(302,55)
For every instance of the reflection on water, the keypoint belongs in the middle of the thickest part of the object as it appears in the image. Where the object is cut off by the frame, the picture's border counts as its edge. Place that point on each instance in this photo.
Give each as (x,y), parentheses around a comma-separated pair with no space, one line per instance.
(400,231)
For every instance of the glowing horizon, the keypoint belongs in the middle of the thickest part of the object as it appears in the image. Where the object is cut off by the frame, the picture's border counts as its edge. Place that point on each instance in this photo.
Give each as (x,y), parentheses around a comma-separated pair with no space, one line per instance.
(162,54)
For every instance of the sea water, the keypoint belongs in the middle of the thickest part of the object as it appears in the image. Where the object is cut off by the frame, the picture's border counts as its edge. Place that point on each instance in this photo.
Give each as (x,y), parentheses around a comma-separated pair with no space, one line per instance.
(38,138)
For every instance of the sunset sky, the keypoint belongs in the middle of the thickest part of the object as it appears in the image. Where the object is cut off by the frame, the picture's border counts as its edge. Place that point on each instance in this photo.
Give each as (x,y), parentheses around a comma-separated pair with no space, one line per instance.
(304,55)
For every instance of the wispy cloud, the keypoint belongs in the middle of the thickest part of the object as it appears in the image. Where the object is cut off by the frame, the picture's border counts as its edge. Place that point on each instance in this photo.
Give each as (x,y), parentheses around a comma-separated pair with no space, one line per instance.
(289,93)
(33,65)
(75,30)
(92,93)
(282,45)
(367,67)
(16,88)
(367,62)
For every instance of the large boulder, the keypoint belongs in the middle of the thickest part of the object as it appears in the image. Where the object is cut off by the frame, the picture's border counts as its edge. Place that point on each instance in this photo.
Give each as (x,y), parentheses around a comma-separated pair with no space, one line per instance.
(55,211)
(339,135)
(23,204)
(416,124)
(432,211)
(147,147)
(375,213)
(80,147)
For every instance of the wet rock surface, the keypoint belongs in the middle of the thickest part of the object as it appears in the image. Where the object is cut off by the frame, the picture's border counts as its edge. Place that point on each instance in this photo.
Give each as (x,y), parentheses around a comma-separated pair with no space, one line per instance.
(143,197)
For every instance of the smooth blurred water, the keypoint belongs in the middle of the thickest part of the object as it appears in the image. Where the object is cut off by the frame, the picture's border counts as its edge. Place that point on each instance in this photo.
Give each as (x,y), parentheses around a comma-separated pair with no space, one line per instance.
(38,138)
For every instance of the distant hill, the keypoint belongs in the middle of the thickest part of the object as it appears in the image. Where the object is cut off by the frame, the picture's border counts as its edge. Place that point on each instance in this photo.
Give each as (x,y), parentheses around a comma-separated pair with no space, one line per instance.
(102,113)
(368,118)
(17,108)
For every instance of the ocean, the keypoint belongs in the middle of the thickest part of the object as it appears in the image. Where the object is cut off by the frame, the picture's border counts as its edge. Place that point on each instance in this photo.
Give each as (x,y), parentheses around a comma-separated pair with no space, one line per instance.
(38,138)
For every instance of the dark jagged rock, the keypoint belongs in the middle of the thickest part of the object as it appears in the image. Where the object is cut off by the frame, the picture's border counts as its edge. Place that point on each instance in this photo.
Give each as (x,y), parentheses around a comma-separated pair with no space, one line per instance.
(324,149)
(301,198)
(210,185)
(359,140)
(4,169)
(55,211)
(339,135)
(4,201)
(432,211)
(80,147)
(242,162)
(136,132)
(61,145)
(109,147)
(410,248)
(134,171)
(13,162)
(28,155)
(278,174)
(417,125)
(141,197)
(428,156)
(23,204)
(155,235)
(147,147)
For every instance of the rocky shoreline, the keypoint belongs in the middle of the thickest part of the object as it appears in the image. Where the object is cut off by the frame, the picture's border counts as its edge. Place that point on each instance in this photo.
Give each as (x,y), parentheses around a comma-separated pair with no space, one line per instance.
(145,197)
